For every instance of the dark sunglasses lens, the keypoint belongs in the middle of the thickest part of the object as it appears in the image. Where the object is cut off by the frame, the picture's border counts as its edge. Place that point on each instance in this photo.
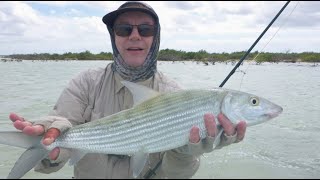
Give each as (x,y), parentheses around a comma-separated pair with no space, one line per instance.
(126,29)
(146,30)
(123,29)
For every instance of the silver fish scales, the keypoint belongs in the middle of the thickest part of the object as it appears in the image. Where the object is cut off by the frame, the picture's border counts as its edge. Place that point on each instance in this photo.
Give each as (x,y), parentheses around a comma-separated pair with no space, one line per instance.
(156,125)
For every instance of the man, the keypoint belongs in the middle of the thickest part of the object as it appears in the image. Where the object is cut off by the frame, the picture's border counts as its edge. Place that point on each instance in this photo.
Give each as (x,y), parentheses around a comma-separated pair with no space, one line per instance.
(135,37)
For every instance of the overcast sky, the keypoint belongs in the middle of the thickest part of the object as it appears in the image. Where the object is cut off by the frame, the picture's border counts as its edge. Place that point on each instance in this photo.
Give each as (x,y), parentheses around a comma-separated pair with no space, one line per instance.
(76,26)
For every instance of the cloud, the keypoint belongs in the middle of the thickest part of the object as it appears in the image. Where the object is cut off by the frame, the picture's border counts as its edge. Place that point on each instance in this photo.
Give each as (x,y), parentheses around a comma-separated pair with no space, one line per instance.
(216,26)
(16,17)
(36,33)
(182,5)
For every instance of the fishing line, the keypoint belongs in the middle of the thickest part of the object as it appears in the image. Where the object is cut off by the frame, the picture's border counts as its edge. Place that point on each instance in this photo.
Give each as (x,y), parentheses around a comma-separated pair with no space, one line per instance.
(242,59)
(283,22)
(252,46)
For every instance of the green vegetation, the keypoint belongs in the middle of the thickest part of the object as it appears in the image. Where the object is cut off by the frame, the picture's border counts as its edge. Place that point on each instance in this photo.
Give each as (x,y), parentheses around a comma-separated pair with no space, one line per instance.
(174,55)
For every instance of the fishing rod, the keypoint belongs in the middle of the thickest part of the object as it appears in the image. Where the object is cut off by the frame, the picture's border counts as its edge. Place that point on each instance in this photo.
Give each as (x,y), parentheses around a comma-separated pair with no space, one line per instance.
(151,172)
(252,46)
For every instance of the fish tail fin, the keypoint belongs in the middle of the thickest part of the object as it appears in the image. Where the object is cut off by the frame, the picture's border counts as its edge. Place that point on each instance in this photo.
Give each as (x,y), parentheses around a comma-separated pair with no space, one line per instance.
(28,159)
(35,151)
(18,139)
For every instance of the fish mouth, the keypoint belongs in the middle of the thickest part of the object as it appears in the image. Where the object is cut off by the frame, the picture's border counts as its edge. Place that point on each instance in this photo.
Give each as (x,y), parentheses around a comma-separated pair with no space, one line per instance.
(275,113)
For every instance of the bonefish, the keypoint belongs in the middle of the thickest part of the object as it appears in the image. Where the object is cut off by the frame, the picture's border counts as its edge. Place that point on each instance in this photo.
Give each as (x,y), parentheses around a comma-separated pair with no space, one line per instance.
(157,122)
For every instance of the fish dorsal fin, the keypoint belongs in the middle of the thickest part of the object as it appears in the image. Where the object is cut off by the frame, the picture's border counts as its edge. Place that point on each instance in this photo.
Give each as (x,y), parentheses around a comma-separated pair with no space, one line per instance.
(139,92)
(138,161)
(76,155)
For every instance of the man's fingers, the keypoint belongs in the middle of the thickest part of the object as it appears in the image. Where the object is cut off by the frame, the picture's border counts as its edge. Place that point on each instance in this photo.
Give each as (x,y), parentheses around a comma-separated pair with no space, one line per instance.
(21,124)
(35,130)
(194,135)
(228,127)
(50,136)
(210,124)
(27,128)
(53,155)
(14,117)
(241,130)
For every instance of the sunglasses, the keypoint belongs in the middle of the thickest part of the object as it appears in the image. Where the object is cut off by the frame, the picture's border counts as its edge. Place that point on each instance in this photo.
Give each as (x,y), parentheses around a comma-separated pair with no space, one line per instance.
(125,30)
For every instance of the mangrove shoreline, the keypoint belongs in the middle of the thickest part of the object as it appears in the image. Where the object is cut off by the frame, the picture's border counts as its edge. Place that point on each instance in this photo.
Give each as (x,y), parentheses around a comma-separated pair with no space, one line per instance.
(174,55)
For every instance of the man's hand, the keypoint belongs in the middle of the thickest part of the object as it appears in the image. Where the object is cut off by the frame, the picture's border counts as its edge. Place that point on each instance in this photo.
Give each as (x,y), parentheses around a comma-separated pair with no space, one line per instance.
(212,130)
(37,130)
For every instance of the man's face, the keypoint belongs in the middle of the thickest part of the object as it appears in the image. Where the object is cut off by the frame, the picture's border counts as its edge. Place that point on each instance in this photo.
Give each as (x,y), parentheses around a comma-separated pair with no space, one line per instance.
(134,48)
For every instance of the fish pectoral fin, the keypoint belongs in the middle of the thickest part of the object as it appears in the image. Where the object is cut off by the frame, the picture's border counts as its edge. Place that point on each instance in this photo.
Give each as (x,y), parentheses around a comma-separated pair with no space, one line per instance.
(139,92)
(76,155)
(138,162)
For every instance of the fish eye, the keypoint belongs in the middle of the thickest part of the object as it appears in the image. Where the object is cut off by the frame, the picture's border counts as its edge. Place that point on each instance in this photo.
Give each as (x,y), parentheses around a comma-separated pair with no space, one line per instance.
(254,101)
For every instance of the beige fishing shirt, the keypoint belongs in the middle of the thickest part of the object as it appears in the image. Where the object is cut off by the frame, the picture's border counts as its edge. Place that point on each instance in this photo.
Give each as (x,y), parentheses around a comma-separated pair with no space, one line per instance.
(97,93)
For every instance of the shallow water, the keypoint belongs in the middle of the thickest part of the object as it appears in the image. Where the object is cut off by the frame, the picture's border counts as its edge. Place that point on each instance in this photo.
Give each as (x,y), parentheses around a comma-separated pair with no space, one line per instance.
(286,147)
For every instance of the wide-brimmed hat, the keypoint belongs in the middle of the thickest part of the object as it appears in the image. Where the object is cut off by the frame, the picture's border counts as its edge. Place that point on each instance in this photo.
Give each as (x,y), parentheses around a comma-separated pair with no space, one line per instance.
(109,18)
